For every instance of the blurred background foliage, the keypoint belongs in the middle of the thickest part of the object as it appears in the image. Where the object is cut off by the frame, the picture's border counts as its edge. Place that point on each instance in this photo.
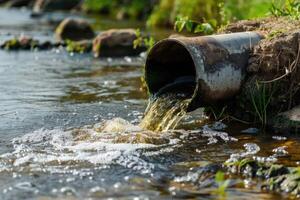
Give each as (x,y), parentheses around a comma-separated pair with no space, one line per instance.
(165,12)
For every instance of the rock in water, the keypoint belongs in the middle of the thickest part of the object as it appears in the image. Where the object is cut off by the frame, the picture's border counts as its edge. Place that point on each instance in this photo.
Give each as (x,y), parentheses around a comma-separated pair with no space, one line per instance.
(116,43)
(288,121)
(51,5)
(74,29)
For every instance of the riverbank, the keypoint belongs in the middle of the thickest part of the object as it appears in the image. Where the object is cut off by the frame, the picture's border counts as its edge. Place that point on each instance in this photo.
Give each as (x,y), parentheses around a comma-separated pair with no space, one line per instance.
(271,88)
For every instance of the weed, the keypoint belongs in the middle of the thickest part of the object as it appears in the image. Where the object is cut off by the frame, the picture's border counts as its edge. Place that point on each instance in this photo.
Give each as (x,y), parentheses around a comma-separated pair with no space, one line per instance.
(142,41)
(289,8)
(191,26)
(222,184)
(275,33)
(78,47)
(217,112)
(232,10)
(261,96)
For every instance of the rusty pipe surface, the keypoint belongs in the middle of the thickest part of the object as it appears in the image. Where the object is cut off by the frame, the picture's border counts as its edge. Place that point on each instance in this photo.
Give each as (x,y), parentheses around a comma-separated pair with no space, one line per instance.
(214,66)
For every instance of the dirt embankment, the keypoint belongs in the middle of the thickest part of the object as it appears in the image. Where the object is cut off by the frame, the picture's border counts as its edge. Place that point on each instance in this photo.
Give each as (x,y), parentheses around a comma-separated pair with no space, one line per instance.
(273,82)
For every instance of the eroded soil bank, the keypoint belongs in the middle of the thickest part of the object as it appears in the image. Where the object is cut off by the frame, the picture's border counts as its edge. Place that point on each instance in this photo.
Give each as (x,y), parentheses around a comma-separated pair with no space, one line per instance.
(270,93)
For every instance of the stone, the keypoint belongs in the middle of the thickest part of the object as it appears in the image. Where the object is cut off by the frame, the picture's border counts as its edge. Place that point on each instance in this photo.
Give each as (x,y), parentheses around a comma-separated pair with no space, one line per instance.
(74,29)
(116,43)
(52,5)
(21,43)
(288,121)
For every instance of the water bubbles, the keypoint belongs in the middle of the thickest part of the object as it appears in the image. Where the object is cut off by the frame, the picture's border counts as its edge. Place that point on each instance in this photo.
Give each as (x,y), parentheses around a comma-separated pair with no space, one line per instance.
(279,138)
(109,83)
(117,185)
(69,191)
(109,60)
(251,149)
(70,179)
(128,59)
(214,135)
(269,159)
(198,151)
(280,151)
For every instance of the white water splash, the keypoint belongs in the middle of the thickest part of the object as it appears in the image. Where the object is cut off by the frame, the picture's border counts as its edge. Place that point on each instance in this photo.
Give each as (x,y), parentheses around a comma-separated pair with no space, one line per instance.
(112,142)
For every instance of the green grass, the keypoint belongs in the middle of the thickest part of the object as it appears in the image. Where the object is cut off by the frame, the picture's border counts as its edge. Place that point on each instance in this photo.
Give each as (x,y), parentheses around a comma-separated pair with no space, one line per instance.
(222,184)
(261,96)
(98,5)
(135,9)
(218,11)
(215,12)
(290,8)
(244,9)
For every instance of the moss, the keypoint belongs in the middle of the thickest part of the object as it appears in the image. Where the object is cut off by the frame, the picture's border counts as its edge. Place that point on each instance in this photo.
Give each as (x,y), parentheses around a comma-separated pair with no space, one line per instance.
(274,177)
(20,44)
(78,47)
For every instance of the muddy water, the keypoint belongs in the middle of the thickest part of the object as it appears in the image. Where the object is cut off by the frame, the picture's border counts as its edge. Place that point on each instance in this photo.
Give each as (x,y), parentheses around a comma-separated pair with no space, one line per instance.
(69,130)
(165,112)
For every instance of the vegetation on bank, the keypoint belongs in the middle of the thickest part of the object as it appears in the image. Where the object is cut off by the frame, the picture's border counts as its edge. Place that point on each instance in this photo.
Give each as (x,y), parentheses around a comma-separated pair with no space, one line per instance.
(134,9)
(165,12)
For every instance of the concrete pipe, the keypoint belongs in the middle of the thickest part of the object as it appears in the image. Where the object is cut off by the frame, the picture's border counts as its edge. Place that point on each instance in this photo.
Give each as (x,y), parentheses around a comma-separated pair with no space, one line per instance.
(212,68)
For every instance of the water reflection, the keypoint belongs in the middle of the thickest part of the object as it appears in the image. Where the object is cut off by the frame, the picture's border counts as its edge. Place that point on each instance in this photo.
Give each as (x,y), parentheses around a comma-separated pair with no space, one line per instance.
(108,84)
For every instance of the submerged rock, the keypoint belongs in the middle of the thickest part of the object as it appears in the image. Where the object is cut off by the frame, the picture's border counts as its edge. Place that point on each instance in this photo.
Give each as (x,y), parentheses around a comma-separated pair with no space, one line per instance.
(275,177)
(288,121)
(74,29)
(23,42)
(28,43)
(115,43)
(51,5)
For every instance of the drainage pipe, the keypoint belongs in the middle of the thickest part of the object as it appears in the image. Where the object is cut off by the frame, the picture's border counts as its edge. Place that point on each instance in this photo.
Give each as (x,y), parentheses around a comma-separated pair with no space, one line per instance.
(211,67)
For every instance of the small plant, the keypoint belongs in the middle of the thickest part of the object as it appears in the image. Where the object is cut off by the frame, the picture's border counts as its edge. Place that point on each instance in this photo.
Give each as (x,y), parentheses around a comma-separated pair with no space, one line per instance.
(142,41)
(191,26)
(260,98)
(78,47)
(274,33)
(290,8)
(217,112)
(222,184)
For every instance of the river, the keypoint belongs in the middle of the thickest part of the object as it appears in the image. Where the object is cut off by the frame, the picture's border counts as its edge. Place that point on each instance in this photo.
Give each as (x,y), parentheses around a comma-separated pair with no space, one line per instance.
(68,129)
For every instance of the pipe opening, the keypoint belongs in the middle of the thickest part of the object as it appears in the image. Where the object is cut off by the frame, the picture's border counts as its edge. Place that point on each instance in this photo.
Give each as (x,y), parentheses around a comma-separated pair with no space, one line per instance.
(169,66)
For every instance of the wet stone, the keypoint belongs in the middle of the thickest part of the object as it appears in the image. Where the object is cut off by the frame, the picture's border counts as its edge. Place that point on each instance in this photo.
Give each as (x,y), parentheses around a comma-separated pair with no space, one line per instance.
(74,29)
(116,43)
(275,177)
(28,43)
(288,121)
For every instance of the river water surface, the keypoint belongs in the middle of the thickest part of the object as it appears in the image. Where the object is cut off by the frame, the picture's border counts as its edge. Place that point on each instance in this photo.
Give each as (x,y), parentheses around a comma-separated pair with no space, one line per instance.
(69,130)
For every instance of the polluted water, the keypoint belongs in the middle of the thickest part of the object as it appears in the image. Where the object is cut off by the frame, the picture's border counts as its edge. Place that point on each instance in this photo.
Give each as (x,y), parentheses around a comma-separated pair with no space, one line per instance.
(165,112)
